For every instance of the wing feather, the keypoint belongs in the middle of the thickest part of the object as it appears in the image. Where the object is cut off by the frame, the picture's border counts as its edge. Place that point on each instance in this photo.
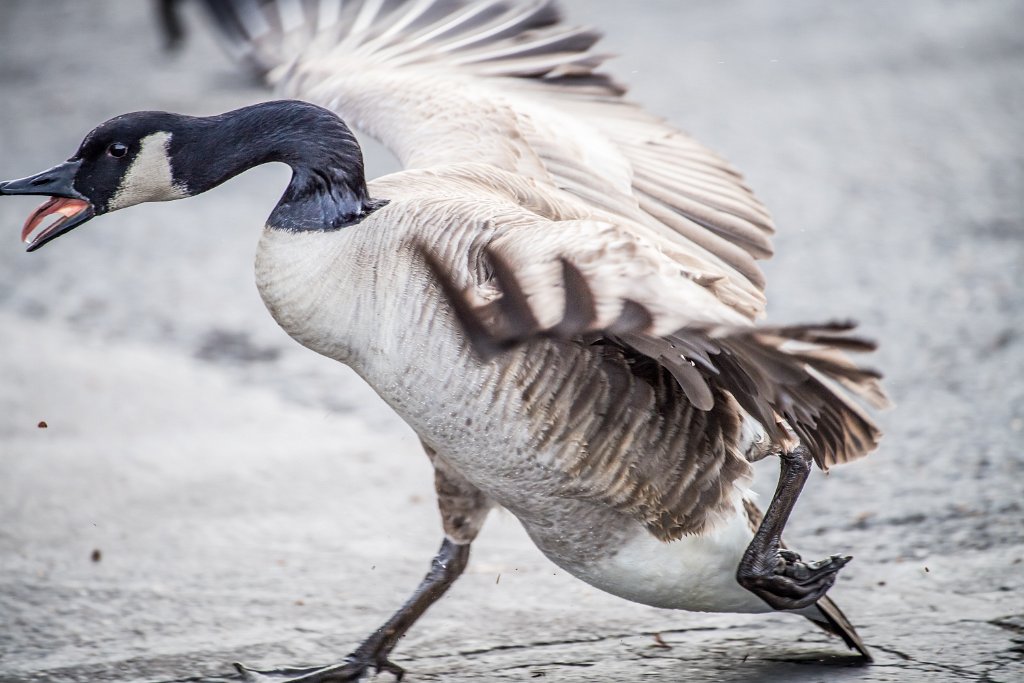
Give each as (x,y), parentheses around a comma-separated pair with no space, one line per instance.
(580,280)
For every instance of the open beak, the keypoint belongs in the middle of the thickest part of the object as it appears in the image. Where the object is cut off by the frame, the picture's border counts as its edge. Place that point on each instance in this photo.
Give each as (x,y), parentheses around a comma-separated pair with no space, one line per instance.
(58,183)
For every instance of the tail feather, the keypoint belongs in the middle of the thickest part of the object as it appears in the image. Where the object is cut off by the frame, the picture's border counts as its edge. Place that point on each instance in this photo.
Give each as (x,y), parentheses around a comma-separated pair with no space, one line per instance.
(826,615)
(799,373)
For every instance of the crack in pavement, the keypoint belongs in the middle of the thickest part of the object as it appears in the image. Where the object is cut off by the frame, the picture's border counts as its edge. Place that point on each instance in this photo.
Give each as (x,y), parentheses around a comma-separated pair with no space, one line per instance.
(927,666)
(582,665)
(1006,623)
(573,641)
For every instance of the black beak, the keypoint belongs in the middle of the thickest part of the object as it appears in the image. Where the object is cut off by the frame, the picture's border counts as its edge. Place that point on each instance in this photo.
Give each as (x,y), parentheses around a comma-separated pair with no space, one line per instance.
(58,184)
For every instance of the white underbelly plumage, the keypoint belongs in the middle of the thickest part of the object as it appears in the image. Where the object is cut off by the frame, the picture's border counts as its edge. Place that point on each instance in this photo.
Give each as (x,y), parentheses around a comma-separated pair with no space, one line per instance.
(695,573)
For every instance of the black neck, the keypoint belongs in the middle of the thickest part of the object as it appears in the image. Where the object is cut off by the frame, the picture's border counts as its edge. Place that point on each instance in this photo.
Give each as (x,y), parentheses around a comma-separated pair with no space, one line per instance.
(328,187)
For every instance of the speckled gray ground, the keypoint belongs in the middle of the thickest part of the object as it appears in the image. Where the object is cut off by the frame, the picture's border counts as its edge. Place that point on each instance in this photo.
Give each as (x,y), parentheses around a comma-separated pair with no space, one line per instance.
(252,501)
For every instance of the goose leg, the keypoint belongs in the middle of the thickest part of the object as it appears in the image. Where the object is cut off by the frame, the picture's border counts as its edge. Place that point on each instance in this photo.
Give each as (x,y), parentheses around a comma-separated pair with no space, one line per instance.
(776,575)
(463,510)
(373,654)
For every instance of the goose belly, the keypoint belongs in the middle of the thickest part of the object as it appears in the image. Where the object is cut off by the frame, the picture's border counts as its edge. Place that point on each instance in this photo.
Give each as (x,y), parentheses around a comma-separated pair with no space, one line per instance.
(492,448)
(484,430)
(695,573)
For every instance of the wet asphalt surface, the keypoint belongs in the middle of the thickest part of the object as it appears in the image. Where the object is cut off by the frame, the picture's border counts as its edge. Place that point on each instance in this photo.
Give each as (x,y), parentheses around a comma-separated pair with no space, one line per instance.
(206,491)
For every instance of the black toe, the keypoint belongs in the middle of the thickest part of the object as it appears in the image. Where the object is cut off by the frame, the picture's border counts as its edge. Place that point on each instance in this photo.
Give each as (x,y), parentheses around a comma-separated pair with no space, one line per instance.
(793,584)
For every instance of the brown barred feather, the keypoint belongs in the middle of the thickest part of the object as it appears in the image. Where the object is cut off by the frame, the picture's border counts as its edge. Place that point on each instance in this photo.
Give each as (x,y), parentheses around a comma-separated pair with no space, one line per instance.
(702,381)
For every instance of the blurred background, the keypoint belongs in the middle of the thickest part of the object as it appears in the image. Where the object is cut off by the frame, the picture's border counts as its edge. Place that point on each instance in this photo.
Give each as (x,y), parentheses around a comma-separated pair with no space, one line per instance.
(205,490)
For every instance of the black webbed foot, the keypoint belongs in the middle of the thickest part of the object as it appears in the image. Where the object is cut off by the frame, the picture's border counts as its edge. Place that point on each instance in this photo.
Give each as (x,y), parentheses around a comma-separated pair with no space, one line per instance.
(792,583)
(777,575)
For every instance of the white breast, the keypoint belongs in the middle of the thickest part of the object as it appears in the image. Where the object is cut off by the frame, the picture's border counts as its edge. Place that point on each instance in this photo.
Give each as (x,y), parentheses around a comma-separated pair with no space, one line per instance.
(312,287)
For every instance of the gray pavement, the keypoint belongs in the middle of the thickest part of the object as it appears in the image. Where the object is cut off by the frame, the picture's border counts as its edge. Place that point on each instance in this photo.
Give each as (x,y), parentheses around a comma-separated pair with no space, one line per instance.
(208,491)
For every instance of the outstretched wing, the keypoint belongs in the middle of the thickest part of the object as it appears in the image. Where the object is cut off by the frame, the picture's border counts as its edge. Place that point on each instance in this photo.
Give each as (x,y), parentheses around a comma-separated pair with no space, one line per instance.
(509,83)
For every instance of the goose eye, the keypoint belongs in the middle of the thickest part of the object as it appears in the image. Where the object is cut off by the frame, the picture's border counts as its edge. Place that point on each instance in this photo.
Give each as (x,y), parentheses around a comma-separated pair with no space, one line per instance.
(117,150)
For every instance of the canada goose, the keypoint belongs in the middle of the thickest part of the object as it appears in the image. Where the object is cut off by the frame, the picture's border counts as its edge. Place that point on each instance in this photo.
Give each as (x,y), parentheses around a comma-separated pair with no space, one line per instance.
(559,294)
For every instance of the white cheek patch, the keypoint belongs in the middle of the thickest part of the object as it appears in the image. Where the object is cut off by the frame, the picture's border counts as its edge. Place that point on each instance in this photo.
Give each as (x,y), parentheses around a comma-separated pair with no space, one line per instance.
(149,178)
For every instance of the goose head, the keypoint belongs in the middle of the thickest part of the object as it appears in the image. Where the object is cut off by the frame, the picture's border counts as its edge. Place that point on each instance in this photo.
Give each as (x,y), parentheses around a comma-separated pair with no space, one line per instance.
(124,161)
(160,156)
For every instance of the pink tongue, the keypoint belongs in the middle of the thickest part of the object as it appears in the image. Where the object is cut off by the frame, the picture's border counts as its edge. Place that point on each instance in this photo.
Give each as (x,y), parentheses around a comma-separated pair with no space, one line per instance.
(64,206)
